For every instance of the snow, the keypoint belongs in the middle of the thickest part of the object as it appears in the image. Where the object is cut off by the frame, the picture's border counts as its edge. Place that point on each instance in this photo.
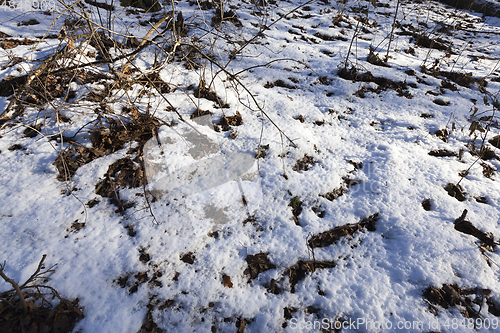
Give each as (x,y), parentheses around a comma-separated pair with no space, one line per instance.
(378,276)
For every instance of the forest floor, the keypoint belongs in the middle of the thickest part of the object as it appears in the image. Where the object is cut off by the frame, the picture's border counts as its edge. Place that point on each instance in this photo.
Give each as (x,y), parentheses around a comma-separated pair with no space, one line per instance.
(272,166)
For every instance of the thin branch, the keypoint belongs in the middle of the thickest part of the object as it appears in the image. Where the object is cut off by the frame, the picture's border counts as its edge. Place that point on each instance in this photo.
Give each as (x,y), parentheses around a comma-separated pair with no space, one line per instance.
(34,276)
(16,287)
(232,77)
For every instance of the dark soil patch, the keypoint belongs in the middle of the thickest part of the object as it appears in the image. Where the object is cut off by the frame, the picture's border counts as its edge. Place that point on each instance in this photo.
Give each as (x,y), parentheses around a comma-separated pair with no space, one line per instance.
(319,212)
(462,79)
(288,312)
(86,77)
(426,204)
(101,5)
(455,191)
(449,296)
(488,170)
(331,236)
(483,7)
(130,230)
(436,44)
(374,59)
(200,113)
(298,271)
(16,146)
(40,317)
(257,264)
(203,5)
(96,95)
(122,280)
(273,288)
(279,83)
(47,89)
(225,16)
(304,163)
(188,258)
(443,134)
(410,72)
(43,89)
(28,22)
(442,153)
(493,307)
(329,38)
(32,131)
(154,282)
(134,281)
(92,203)
(141,277)
(324,36)
(426,115)
(235,120)
(76,226)
(495,141)
(487,240)
(155,80)
(350,182)
(144,257)
(482,200)
(148,5)
(10,84)
(203,92)
(11,43)
(486,153)
(334,194)
(149,325)
(300,118)
(441,102)
(124,173)
(446,84)
(107,138)
(352,74)
(361,93)
(356,165)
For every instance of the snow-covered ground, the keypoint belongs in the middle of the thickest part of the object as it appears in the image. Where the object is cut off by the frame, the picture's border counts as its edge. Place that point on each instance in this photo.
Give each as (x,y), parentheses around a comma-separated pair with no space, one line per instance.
(220,242)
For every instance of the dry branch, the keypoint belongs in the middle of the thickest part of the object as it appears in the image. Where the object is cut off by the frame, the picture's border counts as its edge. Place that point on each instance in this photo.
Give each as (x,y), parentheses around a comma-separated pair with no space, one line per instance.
(16,287)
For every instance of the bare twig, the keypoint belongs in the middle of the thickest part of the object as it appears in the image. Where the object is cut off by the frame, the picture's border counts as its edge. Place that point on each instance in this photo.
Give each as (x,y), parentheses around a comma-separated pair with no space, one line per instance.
(35,275)
(392,31)
(355,35)
(16,287)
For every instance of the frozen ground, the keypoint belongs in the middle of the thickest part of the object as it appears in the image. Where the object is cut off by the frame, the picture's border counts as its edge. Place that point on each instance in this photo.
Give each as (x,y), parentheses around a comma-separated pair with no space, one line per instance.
(353,224)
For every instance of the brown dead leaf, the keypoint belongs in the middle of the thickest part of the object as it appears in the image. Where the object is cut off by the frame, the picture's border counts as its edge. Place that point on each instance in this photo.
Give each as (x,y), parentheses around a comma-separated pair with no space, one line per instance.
(257,264)
(331,236)
(226,279)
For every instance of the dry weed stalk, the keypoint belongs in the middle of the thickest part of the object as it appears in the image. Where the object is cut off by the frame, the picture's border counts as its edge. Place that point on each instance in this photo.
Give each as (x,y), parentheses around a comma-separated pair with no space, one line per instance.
(392,31)
(38,274)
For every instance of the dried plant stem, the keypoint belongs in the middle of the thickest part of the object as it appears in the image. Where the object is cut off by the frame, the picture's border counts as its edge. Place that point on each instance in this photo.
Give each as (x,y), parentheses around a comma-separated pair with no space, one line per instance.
(16,287)
(35,275)
(233,77)
(392,32)
(350,45)
(144,41)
